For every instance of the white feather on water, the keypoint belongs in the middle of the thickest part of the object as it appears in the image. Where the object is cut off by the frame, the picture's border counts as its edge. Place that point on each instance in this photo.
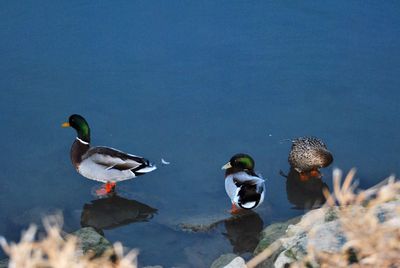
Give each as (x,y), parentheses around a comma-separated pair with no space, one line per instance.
(164,162)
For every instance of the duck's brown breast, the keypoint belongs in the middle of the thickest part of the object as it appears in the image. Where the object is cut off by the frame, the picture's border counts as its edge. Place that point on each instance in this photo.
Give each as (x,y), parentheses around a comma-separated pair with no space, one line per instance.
(78,149)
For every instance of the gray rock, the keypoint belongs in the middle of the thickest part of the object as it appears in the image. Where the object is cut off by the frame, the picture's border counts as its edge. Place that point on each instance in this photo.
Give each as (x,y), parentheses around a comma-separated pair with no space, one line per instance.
(92,241)
(273,232)
(294,249)
(237,262)
(331,214)
(283,259)
(321,230)
(327,235)
(4,263)
(269,235)
(223,260)
(387,211)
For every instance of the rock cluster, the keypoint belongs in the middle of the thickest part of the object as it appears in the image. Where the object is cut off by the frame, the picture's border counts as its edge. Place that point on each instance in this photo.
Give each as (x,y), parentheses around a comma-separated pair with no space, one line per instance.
(319,229)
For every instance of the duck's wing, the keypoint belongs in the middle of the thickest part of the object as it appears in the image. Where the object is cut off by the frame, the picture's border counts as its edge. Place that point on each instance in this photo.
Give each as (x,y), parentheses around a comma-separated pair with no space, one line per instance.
(111,158)
(242,178)
(236,183)
(230,187)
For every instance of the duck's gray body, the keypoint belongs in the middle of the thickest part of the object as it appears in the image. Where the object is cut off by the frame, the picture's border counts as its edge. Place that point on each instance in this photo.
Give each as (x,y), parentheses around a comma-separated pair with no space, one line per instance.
(309,153)
(107,164)
(245,190)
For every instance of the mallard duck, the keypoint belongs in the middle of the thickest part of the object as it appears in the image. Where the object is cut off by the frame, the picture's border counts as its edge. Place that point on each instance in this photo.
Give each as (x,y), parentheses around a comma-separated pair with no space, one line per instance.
(308,155)
(101,163)
(244,187)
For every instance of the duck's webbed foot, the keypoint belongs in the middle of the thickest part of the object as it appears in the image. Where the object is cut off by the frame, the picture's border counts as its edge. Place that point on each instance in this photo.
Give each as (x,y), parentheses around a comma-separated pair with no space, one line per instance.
(312,174)
(235,210)
(315,173)
(110,187)
(304,176)
(106,189)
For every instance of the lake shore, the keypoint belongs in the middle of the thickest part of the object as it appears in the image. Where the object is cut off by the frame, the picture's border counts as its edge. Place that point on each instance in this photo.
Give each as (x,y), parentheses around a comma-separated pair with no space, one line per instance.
(352,228)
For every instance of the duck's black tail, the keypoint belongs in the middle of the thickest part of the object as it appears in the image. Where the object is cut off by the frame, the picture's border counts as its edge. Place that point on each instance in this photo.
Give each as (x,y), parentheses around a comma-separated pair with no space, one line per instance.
(249,196)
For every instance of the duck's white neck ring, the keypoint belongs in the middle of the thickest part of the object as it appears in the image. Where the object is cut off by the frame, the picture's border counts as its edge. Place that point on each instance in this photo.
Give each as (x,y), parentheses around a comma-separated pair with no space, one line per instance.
(82,141)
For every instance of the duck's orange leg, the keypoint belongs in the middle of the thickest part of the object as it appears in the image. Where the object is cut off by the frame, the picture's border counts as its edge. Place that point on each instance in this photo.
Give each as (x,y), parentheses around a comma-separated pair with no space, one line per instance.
(234,209)
(304,176)
(315,173)
(110,187)
(106,189)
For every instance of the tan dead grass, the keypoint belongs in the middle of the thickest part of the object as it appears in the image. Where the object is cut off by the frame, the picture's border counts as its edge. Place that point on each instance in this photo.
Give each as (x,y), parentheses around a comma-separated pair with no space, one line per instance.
(370,241)
(56,251)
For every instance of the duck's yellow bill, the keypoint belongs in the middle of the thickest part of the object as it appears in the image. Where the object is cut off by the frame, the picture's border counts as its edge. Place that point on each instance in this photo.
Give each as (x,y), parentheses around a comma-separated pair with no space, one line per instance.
(226,166)
(66,124)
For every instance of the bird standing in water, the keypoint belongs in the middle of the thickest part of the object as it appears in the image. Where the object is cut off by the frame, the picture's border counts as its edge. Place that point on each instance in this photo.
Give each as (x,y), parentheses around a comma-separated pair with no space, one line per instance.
(101,163)
(308,155)
(244,187)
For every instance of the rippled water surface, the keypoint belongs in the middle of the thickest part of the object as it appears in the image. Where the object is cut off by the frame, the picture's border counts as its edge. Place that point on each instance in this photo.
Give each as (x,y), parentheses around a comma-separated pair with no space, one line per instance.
(193,83)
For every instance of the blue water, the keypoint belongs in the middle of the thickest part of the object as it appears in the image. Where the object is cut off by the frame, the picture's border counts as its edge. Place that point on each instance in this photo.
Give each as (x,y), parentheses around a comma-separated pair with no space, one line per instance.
(193,83)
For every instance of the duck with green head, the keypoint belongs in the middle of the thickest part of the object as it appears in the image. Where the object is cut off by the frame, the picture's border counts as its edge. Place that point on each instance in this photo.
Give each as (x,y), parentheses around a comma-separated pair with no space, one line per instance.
(101,163)
(244,187)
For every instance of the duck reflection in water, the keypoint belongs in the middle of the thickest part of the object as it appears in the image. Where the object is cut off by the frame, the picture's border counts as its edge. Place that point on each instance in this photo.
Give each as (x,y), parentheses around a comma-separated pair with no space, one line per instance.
(305,194)
(114,211)
(243,231)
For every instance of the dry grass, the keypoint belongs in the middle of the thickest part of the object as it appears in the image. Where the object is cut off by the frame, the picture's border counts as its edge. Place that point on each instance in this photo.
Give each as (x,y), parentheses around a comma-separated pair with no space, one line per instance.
(56,251)
(371,241)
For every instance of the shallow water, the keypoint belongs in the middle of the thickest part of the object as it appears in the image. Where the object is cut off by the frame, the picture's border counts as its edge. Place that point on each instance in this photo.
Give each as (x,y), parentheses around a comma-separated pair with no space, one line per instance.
(193,83)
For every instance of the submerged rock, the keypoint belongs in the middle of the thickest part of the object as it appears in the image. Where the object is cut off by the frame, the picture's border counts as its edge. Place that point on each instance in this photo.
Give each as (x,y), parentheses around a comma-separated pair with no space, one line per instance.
(223,260)
(205,223)
(4,263)
(200,224)
(91,241)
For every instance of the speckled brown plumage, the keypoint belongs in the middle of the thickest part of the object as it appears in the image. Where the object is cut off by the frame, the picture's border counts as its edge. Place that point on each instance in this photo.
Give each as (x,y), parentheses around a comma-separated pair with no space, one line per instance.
(309,153)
